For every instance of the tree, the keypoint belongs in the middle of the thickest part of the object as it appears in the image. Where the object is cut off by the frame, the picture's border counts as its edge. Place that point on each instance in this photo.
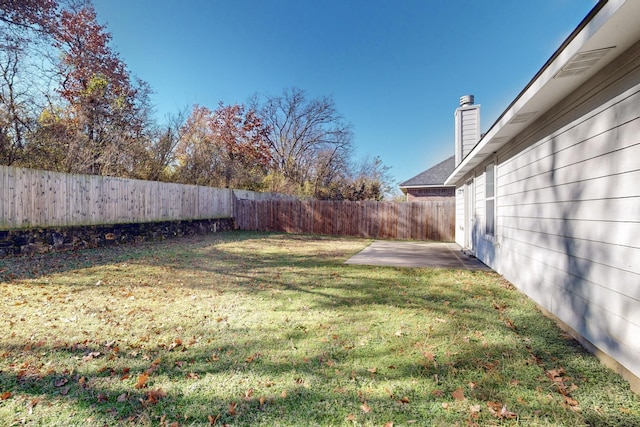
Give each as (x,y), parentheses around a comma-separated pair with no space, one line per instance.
(223,148)
(161,149)
(370,180)
(302,132)
(14,119)
(110,110)
(29,14)
(22,24)
(367,179)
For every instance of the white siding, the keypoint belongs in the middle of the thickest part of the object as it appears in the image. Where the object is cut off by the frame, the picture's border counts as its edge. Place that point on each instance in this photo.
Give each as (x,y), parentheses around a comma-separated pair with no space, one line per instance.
(470,130)
(467,130)
(568,203)
(459,233)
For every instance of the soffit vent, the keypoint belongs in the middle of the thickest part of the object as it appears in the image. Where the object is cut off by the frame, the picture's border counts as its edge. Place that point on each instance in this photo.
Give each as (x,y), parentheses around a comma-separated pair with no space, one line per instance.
(582,62)
(499,140)
(522,117)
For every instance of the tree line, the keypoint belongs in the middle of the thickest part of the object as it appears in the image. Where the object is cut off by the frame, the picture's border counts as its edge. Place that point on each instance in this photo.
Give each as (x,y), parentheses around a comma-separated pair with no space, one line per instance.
(69,103)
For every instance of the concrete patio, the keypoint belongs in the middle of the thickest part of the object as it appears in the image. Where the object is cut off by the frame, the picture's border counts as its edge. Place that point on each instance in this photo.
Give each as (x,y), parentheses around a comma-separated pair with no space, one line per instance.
(416,254)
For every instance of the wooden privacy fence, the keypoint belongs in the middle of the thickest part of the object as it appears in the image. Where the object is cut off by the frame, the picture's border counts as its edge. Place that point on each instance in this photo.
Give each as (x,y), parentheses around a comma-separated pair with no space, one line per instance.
(424,220)
(32,198)
(35,198)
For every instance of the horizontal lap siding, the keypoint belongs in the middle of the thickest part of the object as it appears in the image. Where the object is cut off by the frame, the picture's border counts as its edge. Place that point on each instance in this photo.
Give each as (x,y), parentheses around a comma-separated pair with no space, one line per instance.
(459,227)
(568,203)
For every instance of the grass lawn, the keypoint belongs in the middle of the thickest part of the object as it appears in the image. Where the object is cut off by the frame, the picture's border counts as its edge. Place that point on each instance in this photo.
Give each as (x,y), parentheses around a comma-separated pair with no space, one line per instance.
(255,329)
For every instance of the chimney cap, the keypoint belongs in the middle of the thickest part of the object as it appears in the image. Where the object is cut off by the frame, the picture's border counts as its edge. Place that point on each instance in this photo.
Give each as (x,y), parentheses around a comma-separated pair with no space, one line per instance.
(466,100)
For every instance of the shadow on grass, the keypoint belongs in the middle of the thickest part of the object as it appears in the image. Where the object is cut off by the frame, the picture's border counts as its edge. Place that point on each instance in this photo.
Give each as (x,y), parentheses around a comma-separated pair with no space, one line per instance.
(487,365)
(481,371)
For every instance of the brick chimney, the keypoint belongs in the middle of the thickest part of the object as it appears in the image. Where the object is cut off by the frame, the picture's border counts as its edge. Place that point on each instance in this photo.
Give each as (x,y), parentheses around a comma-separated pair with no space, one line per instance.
(467,118)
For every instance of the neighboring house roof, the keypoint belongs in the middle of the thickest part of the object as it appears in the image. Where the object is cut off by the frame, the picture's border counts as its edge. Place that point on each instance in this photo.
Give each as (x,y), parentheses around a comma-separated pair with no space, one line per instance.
(434,176)
(608,30)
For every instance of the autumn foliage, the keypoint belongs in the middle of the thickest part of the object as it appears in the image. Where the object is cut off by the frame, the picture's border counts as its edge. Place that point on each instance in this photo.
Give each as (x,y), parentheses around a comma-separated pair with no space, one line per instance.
(223,148)
(96,118)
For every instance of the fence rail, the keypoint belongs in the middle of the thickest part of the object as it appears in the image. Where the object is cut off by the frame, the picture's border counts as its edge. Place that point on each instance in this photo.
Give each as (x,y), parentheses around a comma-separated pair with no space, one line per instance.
(424,220)
(36,198)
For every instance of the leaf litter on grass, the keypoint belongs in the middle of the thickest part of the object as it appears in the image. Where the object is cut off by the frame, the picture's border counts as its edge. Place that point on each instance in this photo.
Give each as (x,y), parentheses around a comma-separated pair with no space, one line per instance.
(268,329)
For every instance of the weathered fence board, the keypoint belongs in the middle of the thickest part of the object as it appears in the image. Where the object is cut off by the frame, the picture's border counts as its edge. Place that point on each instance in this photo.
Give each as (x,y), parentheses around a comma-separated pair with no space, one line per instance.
(36,198)
(423,220)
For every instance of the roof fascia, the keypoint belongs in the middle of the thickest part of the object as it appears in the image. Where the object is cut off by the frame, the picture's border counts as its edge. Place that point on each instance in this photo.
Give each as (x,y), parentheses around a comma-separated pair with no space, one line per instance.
(589,26)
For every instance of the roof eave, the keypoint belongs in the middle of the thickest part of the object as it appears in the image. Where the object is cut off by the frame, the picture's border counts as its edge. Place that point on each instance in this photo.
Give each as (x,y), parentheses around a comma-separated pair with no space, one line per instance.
(609,24)
(426,186)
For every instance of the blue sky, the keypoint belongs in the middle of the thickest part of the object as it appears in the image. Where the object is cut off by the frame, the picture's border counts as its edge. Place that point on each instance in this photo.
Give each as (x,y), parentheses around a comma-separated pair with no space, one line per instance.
(395,68)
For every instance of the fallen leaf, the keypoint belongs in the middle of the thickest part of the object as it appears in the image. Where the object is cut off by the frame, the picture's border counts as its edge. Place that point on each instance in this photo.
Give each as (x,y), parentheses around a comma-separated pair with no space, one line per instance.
(372,370)
(232,408)
(142,380)
(509,323)
(556,374)
(507,414)
(65,390)
(437,393)
(154,395)
(351,417)
(405,400)
(91,356)
(212,419)
(5,395)
(60,382)
(122,398)
(176,343)
(32,404)
(365,408)
(389,424)
(494,407)
(474,409)
(252,357)
(248,394)
(570,401)
(283,394)
(458,394)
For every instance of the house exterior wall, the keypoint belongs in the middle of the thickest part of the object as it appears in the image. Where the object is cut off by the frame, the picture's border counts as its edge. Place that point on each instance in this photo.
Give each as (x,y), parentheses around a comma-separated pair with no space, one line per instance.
(568,211)
(460,226)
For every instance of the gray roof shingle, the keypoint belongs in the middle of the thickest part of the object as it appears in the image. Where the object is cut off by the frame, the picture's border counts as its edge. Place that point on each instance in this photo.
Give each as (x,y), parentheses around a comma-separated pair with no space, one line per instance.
(435,175)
